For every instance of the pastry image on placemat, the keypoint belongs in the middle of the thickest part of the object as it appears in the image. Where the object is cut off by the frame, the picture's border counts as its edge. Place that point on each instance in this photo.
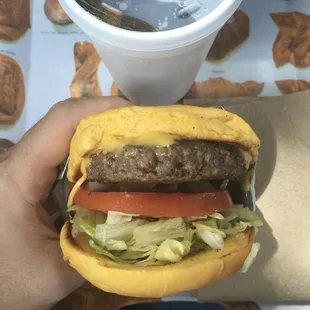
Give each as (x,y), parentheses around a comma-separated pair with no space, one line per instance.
(55,13)
(231,36)
(86,82)
(12,90)
(292,44)
(287,87)
(14,19)
(213,88)
(222,88)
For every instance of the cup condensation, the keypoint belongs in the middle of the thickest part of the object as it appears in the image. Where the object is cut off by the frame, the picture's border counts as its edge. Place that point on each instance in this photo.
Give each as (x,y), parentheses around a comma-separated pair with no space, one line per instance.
(153,68)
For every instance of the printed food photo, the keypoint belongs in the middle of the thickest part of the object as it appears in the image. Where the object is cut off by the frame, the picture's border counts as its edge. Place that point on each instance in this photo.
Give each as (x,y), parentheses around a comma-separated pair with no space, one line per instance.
(287,87)
(213,88)
(223,88)
(234,33)
(293,40)
(154,202)
(85,82)
(55,13)
(14,19)
(12,90)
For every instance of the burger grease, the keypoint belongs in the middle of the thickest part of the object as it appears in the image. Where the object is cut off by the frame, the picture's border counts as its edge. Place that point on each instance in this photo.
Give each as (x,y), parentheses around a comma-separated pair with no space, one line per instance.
(150,216)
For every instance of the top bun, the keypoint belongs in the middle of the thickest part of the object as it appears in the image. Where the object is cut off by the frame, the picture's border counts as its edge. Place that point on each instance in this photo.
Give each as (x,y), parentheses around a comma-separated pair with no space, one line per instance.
(180,121)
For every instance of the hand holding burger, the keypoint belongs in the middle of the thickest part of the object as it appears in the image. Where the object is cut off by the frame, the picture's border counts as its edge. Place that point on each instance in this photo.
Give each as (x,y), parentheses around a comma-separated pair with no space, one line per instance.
(36,277)
(152,211)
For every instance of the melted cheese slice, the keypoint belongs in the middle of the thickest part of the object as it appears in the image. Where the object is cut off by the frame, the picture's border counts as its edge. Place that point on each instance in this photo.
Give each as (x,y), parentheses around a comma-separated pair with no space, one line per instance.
(115,144)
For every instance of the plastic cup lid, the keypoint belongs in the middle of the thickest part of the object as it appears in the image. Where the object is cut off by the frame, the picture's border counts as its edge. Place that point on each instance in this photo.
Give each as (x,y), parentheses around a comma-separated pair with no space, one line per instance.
(201,18)
(163,14)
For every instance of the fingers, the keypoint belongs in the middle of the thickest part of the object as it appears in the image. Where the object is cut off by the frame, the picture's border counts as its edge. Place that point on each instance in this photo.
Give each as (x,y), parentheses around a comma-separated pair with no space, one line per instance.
(43,148)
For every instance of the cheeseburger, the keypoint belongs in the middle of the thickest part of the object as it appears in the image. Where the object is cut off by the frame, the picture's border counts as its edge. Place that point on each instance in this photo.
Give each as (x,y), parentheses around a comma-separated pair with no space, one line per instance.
(151,213)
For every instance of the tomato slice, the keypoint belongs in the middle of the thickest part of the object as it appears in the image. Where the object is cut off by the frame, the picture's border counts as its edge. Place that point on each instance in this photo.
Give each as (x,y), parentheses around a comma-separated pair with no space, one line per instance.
(155,204)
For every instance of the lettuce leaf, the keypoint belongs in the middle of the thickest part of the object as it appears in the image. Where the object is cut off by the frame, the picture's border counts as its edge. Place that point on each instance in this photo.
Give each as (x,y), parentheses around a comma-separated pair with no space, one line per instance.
(251,258)
(124,232)
(115,245)
(85,221)
(200,226)
(80,224)
(128,238)
(189,235)
(210,222)
(190,219)
(214,240)
(135,252)
(244,215)
(213,237)
(154,233)
(236,228)
(99,250)
(119,218)
(217,216)
(172,251)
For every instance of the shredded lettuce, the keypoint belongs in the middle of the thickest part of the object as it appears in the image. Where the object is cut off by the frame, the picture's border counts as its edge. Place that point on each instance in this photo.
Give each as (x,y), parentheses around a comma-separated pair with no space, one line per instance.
(118,217)
(85,221)
(124,231)
(243,214)
(214,240)
(135,252)
(189,235)
(82,225)
(172,251)
(251,258)
(238,227)
(211,236)
(129,238)
(200,226)
(101,251)
(217,216)
(154,233)
(224,185)
(190,219)
(144,255)
(210,222)
(115,245)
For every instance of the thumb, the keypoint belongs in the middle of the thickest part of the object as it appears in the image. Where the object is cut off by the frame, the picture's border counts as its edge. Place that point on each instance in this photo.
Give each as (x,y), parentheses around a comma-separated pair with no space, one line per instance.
(35,158)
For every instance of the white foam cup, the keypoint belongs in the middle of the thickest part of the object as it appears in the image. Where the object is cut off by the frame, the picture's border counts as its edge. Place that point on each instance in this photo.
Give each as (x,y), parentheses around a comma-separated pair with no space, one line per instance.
(156,68)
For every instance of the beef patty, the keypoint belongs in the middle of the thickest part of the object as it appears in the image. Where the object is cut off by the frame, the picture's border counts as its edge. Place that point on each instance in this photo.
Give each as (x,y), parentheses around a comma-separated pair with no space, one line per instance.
(180,162)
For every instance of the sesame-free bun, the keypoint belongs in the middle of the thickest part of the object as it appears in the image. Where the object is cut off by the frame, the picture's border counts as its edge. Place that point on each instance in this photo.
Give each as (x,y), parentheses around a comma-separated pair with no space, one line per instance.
(183,122)
(191,273)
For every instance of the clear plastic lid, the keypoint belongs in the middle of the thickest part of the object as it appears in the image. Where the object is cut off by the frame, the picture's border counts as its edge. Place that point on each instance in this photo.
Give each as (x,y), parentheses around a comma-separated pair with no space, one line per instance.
(161,14)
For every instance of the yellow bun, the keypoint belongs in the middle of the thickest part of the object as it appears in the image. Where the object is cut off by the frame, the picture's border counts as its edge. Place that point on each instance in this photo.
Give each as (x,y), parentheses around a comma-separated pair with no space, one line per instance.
(183,122)
(156,281)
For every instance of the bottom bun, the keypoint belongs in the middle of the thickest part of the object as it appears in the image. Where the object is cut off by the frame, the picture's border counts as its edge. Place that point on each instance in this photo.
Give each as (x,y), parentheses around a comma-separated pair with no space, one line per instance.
(192,273)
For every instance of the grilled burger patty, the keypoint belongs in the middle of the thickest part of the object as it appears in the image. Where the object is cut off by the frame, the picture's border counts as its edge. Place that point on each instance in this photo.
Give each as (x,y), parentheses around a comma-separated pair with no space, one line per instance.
(180,162)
